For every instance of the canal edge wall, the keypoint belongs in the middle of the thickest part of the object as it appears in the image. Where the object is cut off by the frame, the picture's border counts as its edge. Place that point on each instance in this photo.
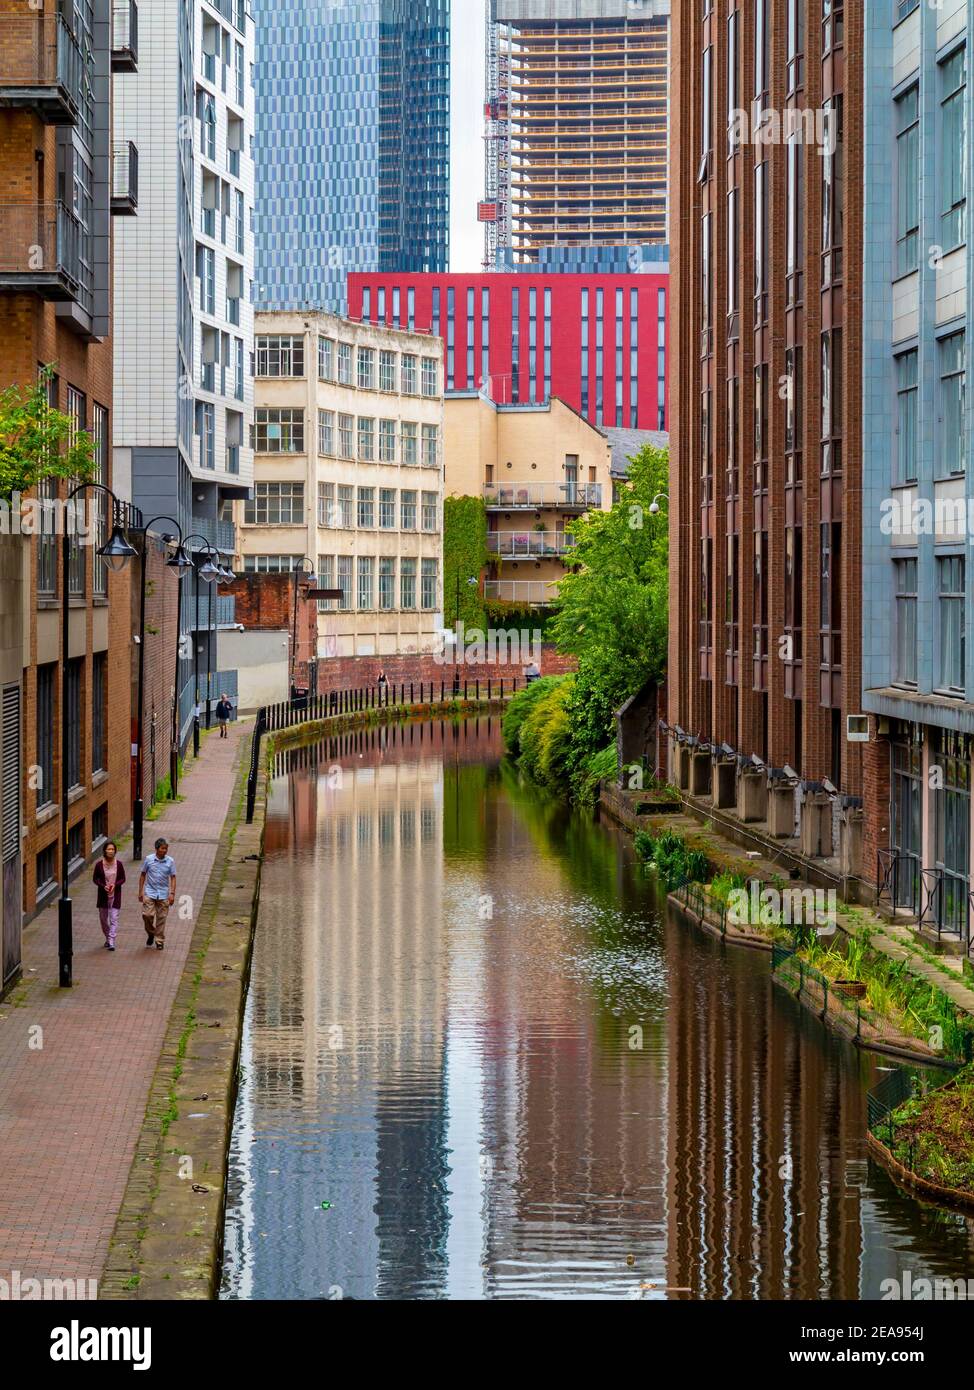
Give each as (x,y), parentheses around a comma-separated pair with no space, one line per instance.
(168,1237)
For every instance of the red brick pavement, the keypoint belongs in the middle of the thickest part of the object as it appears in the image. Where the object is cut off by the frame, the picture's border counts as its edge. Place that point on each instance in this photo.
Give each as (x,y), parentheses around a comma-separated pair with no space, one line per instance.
(70,1112)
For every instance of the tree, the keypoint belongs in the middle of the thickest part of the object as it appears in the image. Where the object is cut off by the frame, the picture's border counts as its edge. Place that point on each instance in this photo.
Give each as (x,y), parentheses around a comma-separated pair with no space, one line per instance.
(612,610)
(38,441)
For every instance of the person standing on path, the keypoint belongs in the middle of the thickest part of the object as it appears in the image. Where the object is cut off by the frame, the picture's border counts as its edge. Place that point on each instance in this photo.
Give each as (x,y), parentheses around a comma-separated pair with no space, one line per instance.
(108,878)
(224,713)
(157,893)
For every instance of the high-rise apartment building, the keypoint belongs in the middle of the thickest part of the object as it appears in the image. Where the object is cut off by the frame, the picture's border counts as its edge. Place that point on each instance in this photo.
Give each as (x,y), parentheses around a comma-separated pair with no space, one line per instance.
(183,277)
(61,178)
(352,144)
(766,463)
(918,495)
(598,342)
(349,478)
(576,126)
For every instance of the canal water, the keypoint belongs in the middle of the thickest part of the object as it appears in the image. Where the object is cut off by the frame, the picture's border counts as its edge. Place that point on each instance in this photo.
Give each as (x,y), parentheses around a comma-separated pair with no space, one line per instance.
(482,1060)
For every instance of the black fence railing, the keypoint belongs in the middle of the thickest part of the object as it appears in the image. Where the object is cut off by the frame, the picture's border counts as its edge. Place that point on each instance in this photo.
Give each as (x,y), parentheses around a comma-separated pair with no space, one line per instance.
(308,709)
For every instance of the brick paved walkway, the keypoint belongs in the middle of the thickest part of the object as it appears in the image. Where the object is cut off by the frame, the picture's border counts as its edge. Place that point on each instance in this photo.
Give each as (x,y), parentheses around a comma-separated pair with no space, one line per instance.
(70,1112)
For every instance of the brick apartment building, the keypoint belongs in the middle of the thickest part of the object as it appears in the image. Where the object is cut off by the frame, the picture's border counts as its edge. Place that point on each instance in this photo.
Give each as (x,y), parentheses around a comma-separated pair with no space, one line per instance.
(60,181)
(765,508)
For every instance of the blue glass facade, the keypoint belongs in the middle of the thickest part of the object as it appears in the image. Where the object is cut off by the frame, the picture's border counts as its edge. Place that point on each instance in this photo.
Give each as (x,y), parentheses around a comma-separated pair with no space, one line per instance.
(352,144)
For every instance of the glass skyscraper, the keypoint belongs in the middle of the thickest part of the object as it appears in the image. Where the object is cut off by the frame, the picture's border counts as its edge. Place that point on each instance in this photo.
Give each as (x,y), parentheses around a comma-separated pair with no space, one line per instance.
(352,144)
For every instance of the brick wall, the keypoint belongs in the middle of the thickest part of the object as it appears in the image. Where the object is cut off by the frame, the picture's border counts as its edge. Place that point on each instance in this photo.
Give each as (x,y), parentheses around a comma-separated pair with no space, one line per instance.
(876,799)
(267,603)
(359,672)
(161,599)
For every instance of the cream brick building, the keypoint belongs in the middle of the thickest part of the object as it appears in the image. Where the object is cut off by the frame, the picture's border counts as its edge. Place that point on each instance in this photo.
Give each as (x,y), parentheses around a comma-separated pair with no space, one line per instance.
(348,440)
(538,467)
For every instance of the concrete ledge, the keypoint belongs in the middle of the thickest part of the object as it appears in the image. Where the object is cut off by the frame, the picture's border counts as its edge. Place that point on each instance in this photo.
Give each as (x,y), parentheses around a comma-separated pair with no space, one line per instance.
(167,1242)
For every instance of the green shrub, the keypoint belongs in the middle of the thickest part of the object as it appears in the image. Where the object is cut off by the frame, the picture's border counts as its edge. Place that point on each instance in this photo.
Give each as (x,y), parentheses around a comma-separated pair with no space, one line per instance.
(521,706)
(675,862)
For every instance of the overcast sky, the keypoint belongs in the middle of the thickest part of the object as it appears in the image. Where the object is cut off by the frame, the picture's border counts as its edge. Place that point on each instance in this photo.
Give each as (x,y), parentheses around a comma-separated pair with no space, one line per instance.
(467,103)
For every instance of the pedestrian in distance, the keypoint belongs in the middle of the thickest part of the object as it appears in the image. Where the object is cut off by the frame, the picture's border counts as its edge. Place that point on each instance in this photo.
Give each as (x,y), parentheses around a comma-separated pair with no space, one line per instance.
(224,713)
(108,878)
(157,893)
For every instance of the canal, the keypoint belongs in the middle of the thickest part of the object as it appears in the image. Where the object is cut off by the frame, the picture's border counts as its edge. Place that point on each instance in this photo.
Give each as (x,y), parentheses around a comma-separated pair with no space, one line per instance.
(482,1060)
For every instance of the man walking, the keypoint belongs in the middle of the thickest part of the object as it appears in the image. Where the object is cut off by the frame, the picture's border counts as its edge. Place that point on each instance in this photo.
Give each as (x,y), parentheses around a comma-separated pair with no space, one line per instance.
(157,893)
(224,713)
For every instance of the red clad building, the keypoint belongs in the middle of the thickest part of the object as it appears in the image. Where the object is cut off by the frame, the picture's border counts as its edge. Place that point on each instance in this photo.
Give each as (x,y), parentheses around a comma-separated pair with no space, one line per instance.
(597,342)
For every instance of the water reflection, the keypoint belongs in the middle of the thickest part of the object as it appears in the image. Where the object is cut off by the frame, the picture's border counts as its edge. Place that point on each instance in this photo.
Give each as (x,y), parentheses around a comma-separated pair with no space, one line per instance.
(479,1062)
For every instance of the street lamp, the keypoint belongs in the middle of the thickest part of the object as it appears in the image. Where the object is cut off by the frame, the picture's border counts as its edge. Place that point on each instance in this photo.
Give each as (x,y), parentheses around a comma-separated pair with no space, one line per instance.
(472,581)
(181,563)
(654,507)
(209,573)
(299,569)
(116,554)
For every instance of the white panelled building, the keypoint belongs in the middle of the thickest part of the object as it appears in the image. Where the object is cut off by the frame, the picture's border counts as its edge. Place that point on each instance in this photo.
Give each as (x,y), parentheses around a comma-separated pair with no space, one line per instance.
(349,481)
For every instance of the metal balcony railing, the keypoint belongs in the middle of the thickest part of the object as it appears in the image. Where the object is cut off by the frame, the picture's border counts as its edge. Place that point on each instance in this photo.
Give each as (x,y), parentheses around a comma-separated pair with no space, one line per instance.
(41,251)
(529,591)
(41,67)
(532,544)
(224,612)
(530,496)
(222,534)
(125,179)
(125,36)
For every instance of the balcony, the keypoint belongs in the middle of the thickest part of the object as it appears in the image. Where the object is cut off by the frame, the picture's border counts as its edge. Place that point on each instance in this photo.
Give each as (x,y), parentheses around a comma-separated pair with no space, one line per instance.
(40,252)
(531,592)
(224,611)
(125,179)
(512,497)
(125,36)
(537,545)
(221,534)
(40,68)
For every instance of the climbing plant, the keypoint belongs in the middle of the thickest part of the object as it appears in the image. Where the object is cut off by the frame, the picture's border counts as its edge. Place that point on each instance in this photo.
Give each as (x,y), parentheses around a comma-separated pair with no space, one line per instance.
(464,557)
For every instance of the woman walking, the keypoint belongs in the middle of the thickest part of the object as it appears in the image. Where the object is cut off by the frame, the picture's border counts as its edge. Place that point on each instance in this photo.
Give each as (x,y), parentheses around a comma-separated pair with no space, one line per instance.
(108,878)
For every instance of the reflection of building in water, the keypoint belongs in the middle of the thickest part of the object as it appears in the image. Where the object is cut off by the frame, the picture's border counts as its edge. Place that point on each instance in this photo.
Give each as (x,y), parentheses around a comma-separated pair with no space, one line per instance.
(349,1015)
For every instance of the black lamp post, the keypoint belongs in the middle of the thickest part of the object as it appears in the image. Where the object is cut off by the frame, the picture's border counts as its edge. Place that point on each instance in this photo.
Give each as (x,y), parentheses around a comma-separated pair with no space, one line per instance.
(210,574)
(298,571)
(116,553)
(179,562)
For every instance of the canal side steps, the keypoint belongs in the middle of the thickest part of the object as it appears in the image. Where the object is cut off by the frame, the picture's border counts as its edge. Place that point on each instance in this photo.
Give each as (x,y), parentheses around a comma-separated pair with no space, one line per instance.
(167,1242)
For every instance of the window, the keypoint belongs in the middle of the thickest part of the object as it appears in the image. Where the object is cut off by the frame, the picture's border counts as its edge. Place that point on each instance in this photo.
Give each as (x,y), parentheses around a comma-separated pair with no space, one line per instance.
(408,507)
(346,496)
(99,825)
(276,504)
(77,410)
(280,356)
(206,274)
(100,502)
(326,432)
(73,716)
(430,375)
(47,548)
(345,581)
(279,430)
(366,369)
(431,437)
(46,676)
(46,870)
(99,712)
(832,402)
(326,507)
(366,440)
(950,577)
(409,374)
(366,582)
(905,468)
(344,364)
(953,392)
(908,181)
(833,192)
(430,514)
(407,583)
(326,580)
(953,147)
(326,359)
(429,585)
(387,371)
(387,441)
(366,508)
(387,583)
(905,649)
(410,455)
(270,564)
(346,443)
(761,242)
(387,508)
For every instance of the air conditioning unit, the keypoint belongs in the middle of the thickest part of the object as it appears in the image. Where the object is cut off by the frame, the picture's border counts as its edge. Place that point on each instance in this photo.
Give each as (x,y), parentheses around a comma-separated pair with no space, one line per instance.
(857,728)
